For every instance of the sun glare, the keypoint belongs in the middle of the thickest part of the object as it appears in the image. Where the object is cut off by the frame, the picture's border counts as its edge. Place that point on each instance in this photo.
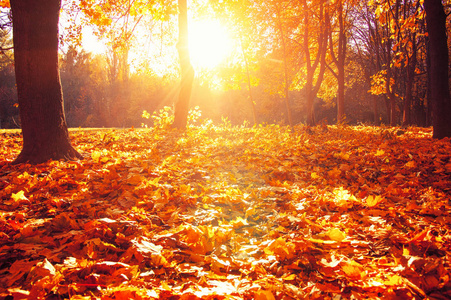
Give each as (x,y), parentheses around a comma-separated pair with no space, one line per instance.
(91,43)
(209,43)
(209,46)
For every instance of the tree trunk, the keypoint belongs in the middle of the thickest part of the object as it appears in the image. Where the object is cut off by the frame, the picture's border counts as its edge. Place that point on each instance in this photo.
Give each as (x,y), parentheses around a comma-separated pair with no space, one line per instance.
(391,108)
(285,69)
(309,79)
(438,84)
(186,69)
(412,62)
(310,89)
(376,120)
(410,68)
(35,36)
(340,62)
(249,86)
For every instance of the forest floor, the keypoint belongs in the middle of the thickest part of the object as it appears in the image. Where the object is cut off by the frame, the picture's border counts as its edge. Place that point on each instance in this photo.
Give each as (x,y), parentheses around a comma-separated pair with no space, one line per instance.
(221,212)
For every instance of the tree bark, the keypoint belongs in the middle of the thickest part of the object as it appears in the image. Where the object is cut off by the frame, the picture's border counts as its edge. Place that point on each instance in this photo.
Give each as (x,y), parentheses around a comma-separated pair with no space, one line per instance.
(339,61)
(376,120)
(438,84)
(35,37)
(412,62)
(310,89)
(186,69)
(391,98)
(285,68)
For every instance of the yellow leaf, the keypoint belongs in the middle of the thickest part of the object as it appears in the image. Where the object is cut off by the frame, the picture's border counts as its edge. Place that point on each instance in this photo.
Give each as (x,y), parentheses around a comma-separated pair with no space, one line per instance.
(336,234)
(99,156)
(380,152)
(145,114)
(19,196)
(165,286)
(345,156)
(314,175)
(239,222)
(95,155)
(354,270)
(372,201)
(289,277)
(394,280)
(281,248)
(405,252)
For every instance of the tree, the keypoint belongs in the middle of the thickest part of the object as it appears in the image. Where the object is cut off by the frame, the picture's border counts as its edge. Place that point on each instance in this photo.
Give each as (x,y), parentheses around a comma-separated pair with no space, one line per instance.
(239,17)
(319,62)
(438,84)
(186,70)
(35,38)
(287,82)
(367,40)
(339,58)
(409,45)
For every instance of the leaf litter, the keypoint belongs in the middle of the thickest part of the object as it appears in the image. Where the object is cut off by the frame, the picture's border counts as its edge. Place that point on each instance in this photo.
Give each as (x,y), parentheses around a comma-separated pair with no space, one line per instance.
(222,212)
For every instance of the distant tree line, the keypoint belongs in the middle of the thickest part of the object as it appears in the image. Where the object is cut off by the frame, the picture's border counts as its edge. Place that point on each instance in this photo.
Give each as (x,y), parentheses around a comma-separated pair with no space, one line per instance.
(94,98)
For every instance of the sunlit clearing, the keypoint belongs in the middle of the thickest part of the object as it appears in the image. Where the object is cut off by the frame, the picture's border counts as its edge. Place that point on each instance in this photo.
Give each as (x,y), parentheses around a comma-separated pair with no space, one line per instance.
(209,43)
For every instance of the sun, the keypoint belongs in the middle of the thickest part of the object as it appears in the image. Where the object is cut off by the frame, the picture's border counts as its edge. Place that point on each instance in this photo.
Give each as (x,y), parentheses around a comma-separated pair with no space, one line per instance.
(209,43)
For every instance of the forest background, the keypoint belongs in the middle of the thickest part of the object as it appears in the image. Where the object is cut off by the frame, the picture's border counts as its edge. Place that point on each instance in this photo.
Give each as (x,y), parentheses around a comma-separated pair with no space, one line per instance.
(286,62)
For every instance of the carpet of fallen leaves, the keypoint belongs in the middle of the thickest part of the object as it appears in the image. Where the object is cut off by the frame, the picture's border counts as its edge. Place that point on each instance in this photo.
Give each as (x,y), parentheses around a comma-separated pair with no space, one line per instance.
(221,212)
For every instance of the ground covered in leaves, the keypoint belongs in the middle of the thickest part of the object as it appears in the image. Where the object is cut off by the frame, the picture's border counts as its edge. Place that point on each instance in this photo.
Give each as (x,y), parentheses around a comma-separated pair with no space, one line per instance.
(221,212)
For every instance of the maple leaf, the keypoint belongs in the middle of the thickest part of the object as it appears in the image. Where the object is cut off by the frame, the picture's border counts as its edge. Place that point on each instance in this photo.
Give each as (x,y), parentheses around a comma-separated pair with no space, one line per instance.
(17,199)
(142,249)
(354,270)
(223,212)
(336,234)
(281,248)
(372,201)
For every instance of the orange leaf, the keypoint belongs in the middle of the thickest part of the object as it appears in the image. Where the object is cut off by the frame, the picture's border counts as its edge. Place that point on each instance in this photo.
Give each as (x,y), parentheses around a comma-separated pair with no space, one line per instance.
(354,270)
(263,295)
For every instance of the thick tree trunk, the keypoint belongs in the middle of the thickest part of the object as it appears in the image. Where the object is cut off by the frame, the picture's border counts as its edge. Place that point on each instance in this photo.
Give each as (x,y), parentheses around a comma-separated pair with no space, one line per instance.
(376,120)
(186,69)
(438,84)
(35,36)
